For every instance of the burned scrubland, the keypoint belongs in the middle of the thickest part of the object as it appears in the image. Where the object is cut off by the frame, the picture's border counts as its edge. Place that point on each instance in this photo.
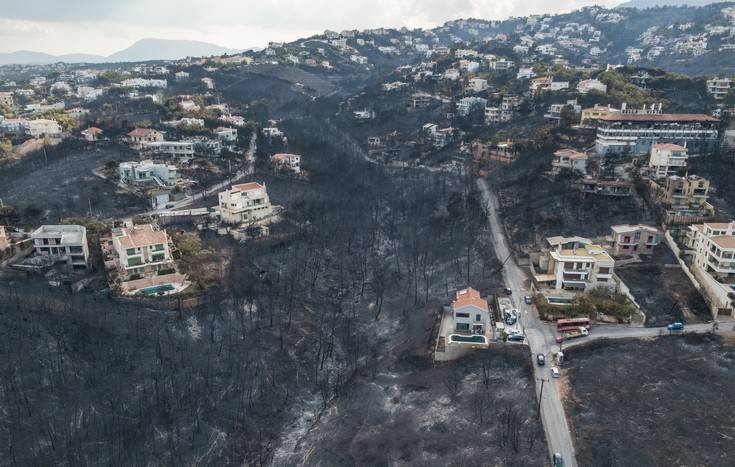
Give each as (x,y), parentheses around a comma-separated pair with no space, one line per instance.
(658,402)
(361,263)
(60,183)
(472,412)
(663,290)
(534,205)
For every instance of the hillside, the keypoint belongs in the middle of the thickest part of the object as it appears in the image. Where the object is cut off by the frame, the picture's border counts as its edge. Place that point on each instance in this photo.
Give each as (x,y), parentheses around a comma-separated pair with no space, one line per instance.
(141,51)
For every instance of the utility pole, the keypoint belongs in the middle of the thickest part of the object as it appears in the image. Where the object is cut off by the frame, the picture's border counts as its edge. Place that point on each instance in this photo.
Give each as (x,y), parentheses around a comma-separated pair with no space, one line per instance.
(541,394)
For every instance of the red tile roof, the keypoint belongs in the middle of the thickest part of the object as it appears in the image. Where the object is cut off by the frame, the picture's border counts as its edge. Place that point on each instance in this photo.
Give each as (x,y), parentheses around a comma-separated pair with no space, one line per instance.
(469,297)
(139,132)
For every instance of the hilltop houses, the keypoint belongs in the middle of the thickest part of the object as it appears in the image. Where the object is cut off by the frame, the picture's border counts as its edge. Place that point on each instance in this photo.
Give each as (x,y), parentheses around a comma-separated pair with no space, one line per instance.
(245,203)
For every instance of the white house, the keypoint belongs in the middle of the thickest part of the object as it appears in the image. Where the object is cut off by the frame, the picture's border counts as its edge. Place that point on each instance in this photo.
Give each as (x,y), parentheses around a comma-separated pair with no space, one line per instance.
(719,88)
(67,242)
(666,159)
(43,127)
(246,202)
(477,84)
(569,159)
(283,161)
(135,173)
(466,105)
(589,85)
(226,135)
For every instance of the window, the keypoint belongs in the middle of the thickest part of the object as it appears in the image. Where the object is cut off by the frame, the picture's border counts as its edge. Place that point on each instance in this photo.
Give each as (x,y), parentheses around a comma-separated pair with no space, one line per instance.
(478,317)
(604,271)
(463,326)
(134,262)
(461,315)
(158,257)
(158,247)
(130,251)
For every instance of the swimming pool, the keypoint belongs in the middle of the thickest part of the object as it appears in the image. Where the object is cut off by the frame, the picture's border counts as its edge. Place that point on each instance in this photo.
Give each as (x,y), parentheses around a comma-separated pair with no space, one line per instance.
(560,300)
(156,290)
(460,339)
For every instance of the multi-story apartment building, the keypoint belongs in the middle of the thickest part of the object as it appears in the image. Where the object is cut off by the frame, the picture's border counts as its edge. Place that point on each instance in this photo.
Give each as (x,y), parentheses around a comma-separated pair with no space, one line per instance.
(691,190)
(470,312)
(246,202)
(137,173)
(290,162)
(719,88)
(575,263)
(569,159)
(421,99)
(141,250)
(630,239)
(67,242)
(466,105)
(636,132)
(713,245)
(496,115)
(667,159)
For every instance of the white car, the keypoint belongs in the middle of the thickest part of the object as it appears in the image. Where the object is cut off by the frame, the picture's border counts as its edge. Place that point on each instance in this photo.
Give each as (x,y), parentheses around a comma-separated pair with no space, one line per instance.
(555,372)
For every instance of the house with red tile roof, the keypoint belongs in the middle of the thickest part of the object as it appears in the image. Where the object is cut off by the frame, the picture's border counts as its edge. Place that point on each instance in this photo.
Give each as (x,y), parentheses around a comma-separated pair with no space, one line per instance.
(92,134)
(470,312)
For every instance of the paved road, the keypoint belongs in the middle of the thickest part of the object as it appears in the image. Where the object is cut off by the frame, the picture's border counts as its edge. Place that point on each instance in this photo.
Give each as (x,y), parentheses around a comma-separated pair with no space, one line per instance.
(540,338)
(216,188)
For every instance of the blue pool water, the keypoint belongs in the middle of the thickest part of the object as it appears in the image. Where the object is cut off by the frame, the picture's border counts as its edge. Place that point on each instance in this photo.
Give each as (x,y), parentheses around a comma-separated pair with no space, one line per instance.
(155,290)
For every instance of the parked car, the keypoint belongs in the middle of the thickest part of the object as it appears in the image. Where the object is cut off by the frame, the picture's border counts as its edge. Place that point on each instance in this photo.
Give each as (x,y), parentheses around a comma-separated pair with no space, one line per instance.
(558,461)
(541,359)
(555,372)
(676,326)
(516,337)
(510,319)
(169,206)
(508,291)
(528,299)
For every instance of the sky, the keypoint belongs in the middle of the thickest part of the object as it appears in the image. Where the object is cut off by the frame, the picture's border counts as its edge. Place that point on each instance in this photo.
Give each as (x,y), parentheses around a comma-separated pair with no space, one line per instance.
(106,26)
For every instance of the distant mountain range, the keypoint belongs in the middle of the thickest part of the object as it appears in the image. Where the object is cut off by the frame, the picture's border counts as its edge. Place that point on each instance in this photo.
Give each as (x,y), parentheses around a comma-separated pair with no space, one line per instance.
(640,4)
(141,51)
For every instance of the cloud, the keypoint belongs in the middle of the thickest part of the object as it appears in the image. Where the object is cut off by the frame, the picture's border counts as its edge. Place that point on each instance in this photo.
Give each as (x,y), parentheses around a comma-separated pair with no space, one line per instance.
(101,26)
